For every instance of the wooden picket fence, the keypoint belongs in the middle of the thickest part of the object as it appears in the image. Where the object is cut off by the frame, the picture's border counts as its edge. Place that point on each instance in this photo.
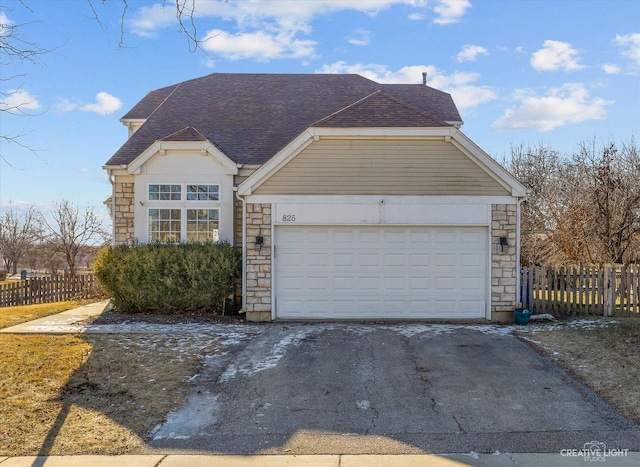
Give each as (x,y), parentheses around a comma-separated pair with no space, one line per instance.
(612,290)
(49,289)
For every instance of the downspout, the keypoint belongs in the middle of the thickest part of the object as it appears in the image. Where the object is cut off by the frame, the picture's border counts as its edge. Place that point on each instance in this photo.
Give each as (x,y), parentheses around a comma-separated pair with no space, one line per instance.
(113,207)
(244,249)
(518,270)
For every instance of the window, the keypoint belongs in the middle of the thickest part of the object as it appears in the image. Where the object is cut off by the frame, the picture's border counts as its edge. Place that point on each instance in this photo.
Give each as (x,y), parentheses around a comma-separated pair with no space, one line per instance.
(202,225)
(203,193)
(183,212)
(165,225)
(165,192)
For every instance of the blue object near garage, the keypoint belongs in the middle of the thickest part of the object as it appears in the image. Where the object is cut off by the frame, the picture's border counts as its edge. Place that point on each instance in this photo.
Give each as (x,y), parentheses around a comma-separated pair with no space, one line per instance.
(522,315)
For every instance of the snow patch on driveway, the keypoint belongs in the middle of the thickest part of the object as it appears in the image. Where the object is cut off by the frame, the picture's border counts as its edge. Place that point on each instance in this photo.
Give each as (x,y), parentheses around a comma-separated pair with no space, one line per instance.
(267,352)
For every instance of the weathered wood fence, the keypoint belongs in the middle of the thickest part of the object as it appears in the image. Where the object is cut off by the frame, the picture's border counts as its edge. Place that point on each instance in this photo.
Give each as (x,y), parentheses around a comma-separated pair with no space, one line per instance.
(582,290)
(49,289)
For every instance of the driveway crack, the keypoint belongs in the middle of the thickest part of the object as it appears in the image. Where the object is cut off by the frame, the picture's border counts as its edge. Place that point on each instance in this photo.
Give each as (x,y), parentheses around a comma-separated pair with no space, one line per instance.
(367,382)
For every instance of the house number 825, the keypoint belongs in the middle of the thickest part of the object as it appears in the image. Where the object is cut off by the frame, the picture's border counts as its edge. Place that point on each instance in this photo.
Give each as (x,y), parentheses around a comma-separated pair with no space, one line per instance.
(289,218)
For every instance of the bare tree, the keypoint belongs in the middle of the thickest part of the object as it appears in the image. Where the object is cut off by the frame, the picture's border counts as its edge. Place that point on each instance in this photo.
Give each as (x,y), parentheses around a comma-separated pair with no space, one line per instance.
(18,233)
(185,13)
(583,208)
(14,46)
(612,184)
(72,229)
(52,259)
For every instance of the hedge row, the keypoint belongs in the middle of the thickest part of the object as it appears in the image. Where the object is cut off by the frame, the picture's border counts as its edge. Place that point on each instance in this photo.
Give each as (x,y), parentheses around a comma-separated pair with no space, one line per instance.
(164,278)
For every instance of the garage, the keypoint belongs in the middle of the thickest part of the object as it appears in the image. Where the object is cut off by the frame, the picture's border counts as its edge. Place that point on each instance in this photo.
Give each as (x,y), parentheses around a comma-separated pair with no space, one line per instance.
(380,272)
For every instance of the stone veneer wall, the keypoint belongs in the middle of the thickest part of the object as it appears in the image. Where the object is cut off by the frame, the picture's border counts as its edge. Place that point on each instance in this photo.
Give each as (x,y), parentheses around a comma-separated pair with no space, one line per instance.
(123,217)
(504,295)
(258,263)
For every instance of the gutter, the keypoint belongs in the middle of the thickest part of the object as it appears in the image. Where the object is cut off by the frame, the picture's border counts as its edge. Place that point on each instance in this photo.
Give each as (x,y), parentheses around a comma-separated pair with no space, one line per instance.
(244,249)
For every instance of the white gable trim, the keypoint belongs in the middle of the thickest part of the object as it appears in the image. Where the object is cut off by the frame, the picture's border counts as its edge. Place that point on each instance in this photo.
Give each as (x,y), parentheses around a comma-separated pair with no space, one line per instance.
(490,166)
(274,164)
(205,147)
(453,135)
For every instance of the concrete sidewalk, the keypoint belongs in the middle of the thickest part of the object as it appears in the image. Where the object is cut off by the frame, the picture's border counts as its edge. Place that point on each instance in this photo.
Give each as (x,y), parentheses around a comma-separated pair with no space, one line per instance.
(66,318)
(446,460)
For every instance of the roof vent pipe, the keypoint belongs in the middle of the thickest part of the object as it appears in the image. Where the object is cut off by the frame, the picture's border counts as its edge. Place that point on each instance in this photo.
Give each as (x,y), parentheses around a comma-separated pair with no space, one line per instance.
(424,78)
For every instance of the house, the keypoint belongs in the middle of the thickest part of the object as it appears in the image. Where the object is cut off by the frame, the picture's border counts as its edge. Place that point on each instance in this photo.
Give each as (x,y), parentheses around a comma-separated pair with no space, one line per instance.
(351,199)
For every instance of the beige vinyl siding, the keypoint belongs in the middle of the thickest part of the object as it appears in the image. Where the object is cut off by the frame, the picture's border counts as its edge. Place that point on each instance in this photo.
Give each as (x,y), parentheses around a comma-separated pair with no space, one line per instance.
(381,167)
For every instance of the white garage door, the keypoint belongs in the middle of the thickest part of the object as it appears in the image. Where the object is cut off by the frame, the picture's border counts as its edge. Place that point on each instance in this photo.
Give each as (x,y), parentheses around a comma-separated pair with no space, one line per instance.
(380,272)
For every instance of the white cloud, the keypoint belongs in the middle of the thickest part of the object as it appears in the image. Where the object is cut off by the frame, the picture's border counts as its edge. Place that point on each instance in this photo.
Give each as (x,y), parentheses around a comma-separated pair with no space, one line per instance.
(360,37)
(570,103)
(105,104)
(279,22)
(18,101)
(450,11)
(632,44)
(556,55)
(65,105)
(151,18)
(259,45)
(5,24)
(611,69)
(460,85)
(470,52)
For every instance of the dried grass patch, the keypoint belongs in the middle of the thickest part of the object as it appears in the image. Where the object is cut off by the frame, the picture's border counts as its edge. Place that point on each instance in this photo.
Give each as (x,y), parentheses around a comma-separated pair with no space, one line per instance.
(606,359)
(87,395)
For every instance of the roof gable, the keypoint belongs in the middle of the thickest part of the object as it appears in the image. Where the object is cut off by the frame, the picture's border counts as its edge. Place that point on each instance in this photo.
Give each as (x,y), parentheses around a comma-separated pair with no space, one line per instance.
(186,134)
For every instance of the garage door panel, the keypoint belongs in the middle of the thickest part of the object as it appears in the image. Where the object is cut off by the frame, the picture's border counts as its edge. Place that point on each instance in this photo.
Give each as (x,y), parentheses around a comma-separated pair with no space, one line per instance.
(471,260)
(471,284)
(445,260)
(368,236)
(343,259)
(445,283)
(419,283)
(369,260)
(317,260)
(420,259)
(380,272)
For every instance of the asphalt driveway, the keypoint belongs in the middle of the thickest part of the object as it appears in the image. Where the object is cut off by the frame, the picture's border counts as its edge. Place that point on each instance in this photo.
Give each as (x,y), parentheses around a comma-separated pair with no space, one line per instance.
(407,388)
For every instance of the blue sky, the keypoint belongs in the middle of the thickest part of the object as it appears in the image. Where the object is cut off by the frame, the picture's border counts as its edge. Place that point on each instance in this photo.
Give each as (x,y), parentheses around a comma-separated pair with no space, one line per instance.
(556,72)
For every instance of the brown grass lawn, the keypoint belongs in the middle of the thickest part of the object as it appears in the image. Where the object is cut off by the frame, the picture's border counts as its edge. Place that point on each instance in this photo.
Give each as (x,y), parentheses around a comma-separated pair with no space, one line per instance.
(606,359)
(65,394)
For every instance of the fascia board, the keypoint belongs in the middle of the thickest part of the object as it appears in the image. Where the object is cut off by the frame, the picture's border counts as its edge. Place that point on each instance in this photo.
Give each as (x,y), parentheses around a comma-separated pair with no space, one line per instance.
(377,132)
(494,169)
(128,121)
(115,169)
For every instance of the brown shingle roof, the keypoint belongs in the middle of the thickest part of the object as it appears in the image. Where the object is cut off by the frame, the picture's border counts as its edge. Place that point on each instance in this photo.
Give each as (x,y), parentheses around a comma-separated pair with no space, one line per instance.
(250,117)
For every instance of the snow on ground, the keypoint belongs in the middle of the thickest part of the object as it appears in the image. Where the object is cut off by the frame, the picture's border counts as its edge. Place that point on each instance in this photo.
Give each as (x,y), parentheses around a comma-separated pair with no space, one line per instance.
(582,323)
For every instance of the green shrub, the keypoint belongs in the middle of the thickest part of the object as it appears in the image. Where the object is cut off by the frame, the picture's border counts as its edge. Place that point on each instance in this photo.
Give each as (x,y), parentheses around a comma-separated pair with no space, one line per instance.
(186,277)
